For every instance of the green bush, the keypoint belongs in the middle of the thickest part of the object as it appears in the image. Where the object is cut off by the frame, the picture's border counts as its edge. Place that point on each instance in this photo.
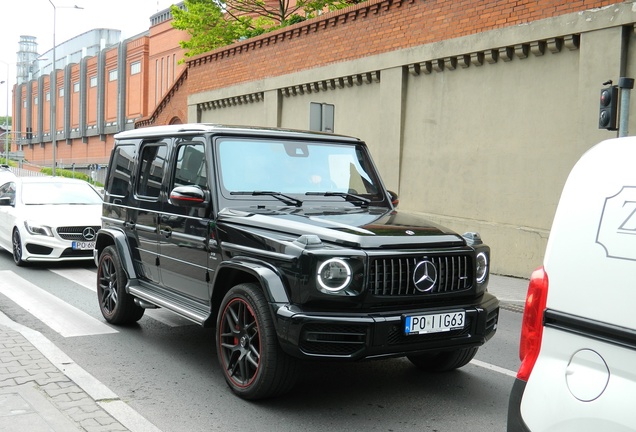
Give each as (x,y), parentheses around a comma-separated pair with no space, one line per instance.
(69,174)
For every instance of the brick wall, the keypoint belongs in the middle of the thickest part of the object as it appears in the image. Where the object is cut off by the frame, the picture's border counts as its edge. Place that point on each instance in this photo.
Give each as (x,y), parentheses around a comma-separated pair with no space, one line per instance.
(370,28)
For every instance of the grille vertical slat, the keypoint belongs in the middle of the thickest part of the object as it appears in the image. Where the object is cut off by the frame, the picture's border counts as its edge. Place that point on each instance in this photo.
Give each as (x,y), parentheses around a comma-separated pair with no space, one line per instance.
(394,276)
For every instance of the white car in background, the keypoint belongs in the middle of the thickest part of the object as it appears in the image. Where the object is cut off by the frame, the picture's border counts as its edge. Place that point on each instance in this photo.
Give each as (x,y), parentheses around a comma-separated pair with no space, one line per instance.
(578,336)
(48,218)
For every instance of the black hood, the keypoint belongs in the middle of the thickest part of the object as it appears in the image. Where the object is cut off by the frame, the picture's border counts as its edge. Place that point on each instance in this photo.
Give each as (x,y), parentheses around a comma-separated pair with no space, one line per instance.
(355,227)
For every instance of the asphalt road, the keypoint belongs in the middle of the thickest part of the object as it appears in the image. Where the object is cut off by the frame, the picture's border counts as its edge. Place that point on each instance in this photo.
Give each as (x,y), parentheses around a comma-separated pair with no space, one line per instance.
(165,368)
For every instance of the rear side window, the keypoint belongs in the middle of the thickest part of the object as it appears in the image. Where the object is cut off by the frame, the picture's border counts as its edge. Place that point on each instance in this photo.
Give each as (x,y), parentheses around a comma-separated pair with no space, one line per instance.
(121,169)
(152,163)
(190,165)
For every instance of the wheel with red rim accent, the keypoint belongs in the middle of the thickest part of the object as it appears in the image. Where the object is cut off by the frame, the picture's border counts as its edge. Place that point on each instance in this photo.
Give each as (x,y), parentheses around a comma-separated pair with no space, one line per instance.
(253,363)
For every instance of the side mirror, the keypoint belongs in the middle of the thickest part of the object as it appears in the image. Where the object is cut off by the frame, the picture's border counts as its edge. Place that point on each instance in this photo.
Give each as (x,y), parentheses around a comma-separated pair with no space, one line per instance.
(188,196)
(394,198)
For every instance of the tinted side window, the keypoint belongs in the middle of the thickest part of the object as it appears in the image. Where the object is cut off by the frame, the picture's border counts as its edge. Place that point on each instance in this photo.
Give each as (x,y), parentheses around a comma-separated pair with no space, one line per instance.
(152,163)
(121,169)
(190,165)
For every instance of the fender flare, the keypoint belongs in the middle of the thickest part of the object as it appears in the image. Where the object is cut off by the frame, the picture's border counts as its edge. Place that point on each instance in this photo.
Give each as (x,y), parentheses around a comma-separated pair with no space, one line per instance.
(270,280)
(117,238)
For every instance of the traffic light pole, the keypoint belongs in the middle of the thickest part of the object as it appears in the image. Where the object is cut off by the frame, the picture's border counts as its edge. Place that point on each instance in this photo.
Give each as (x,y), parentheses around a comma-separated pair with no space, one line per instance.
(626,85)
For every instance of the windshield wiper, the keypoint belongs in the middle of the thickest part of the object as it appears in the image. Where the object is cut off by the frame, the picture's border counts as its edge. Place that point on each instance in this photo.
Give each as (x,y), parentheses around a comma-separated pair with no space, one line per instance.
(280,196)
(353,199)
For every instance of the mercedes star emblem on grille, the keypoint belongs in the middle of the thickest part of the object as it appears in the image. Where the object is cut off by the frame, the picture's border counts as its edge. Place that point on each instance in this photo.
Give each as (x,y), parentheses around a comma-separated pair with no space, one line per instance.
(89,234)
(425,276)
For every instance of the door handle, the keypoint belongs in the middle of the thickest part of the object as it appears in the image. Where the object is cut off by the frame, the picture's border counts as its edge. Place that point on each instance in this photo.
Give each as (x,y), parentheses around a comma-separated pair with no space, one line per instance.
(165,232)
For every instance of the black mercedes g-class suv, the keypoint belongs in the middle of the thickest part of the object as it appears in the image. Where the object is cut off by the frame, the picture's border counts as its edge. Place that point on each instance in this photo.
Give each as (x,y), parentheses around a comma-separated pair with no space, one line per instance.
(288,243)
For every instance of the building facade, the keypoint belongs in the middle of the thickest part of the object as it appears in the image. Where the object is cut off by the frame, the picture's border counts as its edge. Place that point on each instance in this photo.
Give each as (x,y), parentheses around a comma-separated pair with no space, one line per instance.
(103,86)
(474,110)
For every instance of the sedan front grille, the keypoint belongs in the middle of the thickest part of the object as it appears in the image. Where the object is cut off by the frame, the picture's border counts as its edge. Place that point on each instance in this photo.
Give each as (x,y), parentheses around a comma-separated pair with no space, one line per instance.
(394,276)
(78,233)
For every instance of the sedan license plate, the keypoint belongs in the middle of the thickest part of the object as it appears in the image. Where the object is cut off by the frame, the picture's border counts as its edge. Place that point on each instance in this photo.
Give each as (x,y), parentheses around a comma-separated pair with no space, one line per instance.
(434,323)
(83,245)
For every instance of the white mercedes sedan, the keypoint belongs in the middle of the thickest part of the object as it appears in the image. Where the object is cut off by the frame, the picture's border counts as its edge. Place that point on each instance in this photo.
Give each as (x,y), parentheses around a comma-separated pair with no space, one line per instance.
(48,218)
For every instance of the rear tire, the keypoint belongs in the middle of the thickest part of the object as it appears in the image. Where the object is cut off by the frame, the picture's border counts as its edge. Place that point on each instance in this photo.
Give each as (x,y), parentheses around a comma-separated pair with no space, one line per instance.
(254,364)
(443,361)
(117,306)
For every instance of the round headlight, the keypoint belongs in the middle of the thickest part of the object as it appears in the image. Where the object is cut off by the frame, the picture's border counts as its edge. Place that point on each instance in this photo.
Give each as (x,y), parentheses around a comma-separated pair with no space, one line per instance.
(482,267)
(334,275)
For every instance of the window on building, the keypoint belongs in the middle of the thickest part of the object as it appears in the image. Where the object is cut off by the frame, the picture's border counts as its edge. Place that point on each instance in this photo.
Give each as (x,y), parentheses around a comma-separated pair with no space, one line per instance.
(135,68)
(48,96)
(76,87)
(93,81)
(35,100)
(24,103)
(112,75)
(61,91)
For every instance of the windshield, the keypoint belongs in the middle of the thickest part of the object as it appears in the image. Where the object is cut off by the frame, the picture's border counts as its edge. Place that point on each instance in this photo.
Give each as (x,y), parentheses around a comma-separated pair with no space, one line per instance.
(295,168)
(59,193)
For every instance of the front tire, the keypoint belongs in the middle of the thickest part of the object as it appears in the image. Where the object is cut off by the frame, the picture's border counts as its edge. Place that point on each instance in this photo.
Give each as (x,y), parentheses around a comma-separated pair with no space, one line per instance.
(443,361)
(254,364)
(16,241)
(117,306)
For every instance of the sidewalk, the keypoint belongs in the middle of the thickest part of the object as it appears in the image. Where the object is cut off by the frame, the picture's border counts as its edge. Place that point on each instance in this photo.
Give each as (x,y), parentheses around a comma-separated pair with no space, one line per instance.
(508,290)
(43,390)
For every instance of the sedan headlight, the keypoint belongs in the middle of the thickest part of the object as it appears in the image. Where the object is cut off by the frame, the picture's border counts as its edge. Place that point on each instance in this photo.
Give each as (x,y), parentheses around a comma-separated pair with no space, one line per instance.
(482,267)
(37,229)
(334,275)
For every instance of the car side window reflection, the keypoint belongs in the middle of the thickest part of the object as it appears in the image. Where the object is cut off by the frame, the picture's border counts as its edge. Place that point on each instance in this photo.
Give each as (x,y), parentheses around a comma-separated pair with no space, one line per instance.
(152,163)
(7,193)
(190,166)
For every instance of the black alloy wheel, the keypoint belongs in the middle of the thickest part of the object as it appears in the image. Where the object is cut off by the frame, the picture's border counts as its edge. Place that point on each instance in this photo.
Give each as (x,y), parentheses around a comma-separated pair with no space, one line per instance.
(253,362)
(17,248)
(117,306)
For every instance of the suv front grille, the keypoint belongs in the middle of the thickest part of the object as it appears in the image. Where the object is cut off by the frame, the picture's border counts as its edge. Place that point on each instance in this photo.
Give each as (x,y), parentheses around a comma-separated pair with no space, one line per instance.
(77,233)
(394,276)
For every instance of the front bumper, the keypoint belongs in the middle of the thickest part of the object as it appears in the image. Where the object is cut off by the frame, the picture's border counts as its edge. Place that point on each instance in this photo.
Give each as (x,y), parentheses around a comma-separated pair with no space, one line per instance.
(376,335)
(41,248)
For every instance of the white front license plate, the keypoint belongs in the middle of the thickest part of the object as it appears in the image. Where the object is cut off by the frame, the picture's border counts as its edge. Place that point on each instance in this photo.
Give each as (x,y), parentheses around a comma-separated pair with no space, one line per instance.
(434,323)
(83,245)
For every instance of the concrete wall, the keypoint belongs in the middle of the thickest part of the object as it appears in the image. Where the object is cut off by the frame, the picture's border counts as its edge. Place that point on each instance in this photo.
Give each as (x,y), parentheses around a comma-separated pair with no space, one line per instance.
(477,132)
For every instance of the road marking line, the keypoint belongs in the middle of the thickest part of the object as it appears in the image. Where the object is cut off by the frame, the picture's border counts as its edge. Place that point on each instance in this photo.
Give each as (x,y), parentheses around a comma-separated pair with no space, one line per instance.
(88,279)
(97,390)
(494,368)
(60,316)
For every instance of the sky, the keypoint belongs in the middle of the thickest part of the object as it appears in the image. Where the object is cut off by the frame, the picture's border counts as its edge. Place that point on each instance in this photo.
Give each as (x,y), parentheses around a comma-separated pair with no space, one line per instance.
(35,18)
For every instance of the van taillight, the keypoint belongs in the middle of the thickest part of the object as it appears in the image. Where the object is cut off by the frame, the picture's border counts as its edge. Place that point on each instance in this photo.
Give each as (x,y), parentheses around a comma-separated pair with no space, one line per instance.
(532,324)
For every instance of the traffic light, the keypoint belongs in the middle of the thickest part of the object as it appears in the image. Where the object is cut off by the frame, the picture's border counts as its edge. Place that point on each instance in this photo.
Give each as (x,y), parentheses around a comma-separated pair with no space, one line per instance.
(608,108)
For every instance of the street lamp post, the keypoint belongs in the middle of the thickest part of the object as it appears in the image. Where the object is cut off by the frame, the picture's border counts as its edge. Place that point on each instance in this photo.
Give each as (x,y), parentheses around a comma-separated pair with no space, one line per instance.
(6,119)
(53,91)
(53,88)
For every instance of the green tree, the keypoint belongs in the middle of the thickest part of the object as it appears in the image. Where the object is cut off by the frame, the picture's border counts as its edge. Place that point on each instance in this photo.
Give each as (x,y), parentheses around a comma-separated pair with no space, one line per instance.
(206,23)
(211,24)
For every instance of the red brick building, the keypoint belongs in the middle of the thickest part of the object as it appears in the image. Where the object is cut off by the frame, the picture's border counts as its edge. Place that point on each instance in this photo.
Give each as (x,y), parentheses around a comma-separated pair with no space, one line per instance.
(141,81)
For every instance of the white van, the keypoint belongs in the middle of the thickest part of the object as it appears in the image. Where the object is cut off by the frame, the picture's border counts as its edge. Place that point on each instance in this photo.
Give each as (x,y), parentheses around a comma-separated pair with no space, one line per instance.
(578,337)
